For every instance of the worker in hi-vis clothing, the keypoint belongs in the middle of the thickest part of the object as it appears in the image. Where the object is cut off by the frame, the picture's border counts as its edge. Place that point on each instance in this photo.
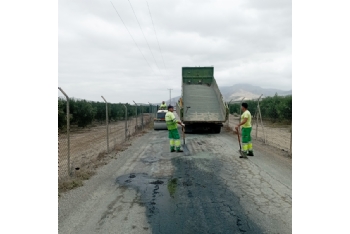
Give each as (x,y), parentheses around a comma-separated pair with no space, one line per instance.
(162,106)
(246,123)
(174,136)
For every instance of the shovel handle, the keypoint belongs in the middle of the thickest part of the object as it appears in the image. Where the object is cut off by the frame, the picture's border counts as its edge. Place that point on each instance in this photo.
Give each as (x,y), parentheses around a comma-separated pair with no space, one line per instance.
(239,140)
(183,133)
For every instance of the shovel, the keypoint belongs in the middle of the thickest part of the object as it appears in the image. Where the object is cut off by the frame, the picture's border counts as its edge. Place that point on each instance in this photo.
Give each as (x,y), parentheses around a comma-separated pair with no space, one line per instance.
(184,146)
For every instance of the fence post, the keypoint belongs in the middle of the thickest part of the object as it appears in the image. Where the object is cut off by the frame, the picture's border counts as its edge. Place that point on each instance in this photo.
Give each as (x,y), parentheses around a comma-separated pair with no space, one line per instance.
(262,125)
(136,116)
(106,123)
(240,111)
(149,112)
(229,112)
(257,123)
(290,139)
(142,116)
(126,121)
(58,153)
(68,130)
(257,118)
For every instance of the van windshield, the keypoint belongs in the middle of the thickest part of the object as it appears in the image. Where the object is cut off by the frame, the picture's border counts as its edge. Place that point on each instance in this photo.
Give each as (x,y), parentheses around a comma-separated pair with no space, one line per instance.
(161,115)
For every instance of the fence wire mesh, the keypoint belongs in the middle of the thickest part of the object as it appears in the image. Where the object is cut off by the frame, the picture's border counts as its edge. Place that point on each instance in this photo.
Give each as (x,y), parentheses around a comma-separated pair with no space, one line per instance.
(62,155)
(85,147)
(88,144)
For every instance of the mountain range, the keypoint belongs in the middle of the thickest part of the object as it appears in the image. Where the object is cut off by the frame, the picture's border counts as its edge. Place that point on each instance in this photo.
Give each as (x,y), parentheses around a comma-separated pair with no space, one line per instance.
(239,91)
(249,92)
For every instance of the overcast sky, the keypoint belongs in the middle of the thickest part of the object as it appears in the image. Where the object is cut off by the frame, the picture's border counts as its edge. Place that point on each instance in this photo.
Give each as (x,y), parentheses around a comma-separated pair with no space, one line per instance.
(247,41)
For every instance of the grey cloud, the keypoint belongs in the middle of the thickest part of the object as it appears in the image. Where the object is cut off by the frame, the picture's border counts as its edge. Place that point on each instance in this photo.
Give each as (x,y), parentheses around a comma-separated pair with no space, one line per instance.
(246,42)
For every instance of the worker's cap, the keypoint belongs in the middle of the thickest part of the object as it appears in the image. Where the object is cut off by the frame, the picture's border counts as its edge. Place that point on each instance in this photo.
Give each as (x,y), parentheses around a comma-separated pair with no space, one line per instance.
(169,107)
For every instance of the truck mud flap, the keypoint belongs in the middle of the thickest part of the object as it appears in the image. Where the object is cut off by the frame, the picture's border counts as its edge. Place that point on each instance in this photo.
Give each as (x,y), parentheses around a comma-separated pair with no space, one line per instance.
(204,127)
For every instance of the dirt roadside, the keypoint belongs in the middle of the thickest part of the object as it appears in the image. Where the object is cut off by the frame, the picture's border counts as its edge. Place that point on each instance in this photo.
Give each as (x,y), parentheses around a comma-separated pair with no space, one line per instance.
(88,149)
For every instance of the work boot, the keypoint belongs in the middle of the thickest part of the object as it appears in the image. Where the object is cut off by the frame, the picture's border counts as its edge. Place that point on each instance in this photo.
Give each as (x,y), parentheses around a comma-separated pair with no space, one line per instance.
(250,153)
(172,150)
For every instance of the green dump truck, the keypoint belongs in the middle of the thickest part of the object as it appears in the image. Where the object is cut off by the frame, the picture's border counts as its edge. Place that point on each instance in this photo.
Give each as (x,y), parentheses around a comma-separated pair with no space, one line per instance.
(201,106)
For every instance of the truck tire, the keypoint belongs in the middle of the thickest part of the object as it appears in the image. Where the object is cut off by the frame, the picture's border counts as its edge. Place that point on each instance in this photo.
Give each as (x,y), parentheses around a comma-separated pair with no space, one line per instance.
(188,129)
(217,129)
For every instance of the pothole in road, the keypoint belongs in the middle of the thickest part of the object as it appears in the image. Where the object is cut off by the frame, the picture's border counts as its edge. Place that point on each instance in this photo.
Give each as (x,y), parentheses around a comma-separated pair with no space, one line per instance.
(168,202)
(157,182)
(149,160)
(172,185)
(187,183)
(154,191)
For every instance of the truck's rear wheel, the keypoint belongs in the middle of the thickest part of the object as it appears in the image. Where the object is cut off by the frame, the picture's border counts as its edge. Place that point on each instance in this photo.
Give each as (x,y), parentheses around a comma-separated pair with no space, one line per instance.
(217,129)
(188,129)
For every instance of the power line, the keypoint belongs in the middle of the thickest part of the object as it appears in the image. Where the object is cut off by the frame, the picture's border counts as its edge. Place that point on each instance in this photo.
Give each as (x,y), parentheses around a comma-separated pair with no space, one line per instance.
(156,34)
(132,37)
(143,34)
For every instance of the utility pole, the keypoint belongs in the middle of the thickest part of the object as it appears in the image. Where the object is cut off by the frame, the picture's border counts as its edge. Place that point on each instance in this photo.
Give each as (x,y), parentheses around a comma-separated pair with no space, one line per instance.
(170,96)
(150,106)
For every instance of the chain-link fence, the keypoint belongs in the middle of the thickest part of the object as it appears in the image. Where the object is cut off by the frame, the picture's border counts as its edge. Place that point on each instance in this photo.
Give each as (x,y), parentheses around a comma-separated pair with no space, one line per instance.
(271,133)
(82,147)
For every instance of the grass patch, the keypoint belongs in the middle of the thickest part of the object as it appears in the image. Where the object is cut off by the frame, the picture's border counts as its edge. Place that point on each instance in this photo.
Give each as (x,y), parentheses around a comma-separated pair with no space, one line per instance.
(75,182)
(87,169)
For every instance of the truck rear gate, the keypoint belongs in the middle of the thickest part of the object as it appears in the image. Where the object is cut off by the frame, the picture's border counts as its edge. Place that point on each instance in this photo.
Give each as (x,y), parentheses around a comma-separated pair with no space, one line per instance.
(201,106)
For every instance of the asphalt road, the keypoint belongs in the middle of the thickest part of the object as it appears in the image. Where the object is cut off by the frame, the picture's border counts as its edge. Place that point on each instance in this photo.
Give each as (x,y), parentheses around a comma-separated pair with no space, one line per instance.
(147,189)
